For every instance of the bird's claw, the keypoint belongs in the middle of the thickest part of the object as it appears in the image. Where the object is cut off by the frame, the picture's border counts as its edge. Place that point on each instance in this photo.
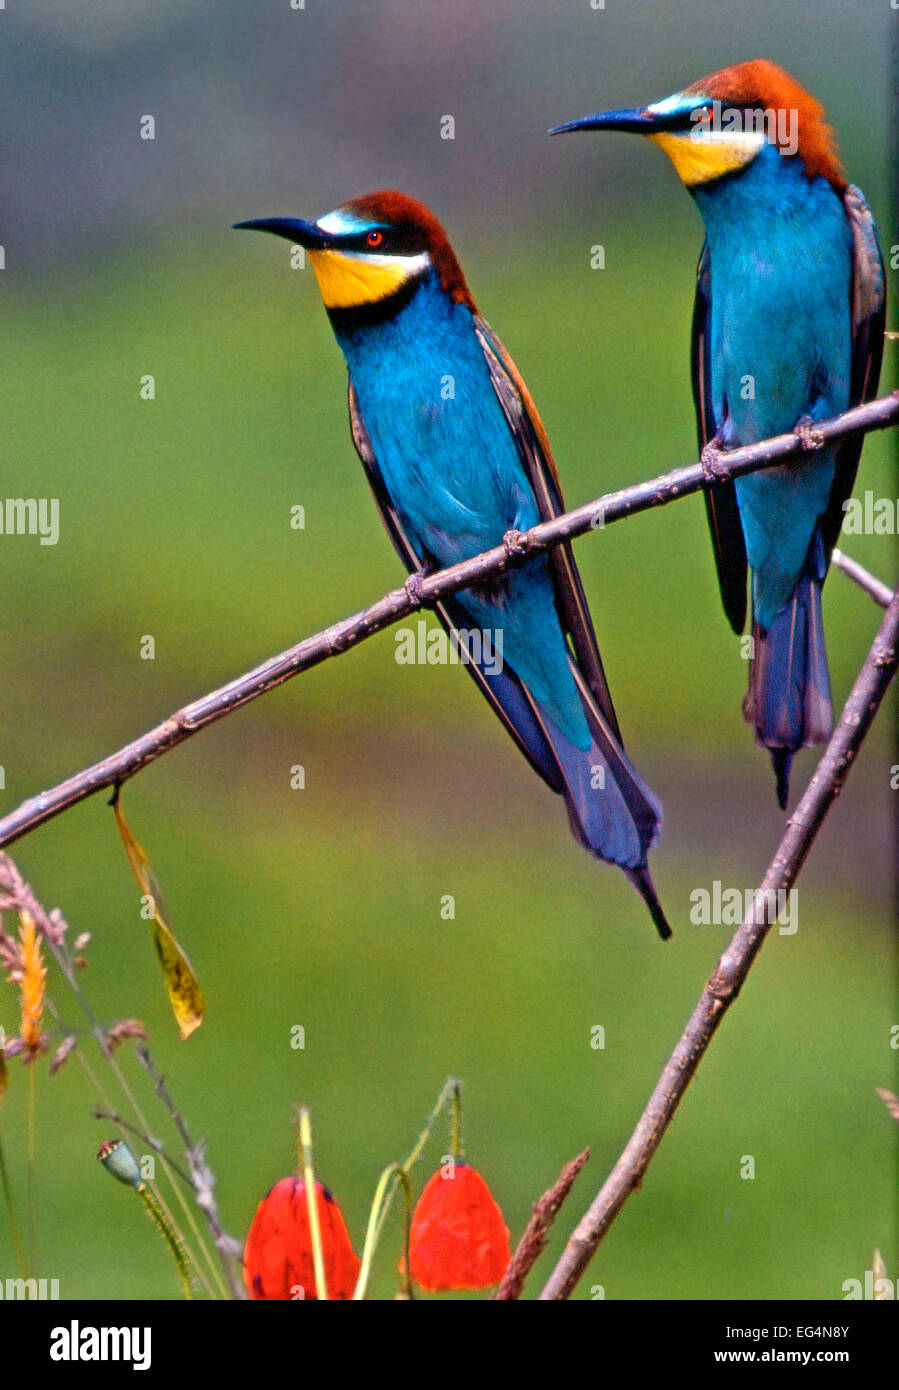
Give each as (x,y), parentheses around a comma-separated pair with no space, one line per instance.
(809,437)
(514,544)
(413,586)
(710,460)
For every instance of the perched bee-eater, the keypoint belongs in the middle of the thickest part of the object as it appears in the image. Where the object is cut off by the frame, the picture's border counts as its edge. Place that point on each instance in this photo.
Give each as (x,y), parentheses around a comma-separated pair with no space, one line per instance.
(787,330)
(457,457)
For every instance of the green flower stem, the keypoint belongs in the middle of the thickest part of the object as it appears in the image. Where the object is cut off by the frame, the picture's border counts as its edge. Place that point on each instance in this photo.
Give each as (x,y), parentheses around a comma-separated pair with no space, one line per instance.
(457,1149)
(450,1088)
(11,1213)
(161,1217)
(372,1235)
(318,1259)
(32,1164)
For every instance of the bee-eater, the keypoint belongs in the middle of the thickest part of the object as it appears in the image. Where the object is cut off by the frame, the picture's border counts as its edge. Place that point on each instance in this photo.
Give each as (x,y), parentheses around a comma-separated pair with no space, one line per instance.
(457,457)
(787,330)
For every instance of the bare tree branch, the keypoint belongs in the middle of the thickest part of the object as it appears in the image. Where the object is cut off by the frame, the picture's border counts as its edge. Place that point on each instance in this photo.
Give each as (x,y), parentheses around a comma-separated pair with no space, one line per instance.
(727,978)
(517,546)
(536,1233)
(880,592)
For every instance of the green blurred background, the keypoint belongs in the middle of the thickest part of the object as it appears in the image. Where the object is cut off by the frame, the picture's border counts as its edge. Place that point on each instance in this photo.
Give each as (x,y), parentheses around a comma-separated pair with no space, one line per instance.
(321,907)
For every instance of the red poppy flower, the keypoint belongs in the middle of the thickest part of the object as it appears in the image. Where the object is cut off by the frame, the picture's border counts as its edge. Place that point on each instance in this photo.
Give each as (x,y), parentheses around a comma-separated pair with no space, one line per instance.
(278,1255)
(458,1238)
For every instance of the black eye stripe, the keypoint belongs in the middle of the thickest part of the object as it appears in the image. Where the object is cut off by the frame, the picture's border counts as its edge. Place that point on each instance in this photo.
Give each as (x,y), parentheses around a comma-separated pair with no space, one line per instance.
(397,241)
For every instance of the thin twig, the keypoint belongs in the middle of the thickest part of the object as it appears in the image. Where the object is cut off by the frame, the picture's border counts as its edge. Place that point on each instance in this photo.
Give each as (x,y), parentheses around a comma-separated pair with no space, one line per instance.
(536,1233)
(880,592)
(203,1181)
(727,978)
(399,603)
(156,1144)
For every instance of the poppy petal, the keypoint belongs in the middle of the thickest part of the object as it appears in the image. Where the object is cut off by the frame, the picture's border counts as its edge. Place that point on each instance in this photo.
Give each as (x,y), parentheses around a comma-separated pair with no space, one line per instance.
(278,1260)
(459,1239)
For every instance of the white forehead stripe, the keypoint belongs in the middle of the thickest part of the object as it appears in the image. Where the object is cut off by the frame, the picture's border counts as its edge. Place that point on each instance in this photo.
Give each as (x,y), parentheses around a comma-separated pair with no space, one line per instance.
(341,222)
(678,102)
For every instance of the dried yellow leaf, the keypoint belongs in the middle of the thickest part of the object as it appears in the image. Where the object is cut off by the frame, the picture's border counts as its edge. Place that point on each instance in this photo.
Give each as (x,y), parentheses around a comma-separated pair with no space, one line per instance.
(185,995)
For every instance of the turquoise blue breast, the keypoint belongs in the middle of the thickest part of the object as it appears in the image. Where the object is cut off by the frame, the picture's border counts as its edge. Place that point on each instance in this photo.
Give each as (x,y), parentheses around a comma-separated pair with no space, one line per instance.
(453,472)
(781,259)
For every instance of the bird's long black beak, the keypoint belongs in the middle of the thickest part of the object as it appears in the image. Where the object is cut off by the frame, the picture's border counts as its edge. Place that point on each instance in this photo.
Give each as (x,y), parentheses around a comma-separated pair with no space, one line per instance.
(632,118)
(301,233)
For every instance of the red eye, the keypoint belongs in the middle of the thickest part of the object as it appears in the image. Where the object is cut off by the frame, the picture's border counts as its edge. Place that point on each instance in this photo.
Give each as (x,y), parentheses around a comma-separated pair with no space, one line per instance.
(375,238)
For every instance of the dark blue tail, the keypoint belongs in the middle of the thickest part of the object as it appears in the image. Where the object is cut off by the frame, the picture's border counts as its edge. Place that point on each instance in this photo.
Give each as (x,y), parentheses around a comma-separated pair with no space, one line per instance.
(612,811)
(788,700)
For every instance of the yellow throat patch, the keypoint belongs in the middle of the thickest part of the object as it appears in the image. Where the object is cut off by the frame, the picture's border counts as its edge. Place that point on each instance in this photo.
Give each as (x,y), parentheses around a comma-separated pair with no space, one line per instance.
(703,158)
(347,280)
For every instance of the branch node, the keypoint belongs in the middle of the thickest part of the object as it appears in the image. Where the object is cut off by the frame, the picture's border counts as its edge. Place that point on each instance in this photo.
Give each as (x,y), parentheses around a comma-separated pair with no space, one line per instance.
(335,639)
(809,437)
(413,587)
(516,544)
(714,469)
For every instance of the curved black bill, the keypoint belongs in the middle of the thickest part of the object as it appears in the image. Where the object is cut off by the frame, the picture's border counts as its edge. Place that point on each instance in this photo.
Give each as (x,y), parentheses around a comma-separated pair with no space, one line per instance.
(294,229)
(633,118)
